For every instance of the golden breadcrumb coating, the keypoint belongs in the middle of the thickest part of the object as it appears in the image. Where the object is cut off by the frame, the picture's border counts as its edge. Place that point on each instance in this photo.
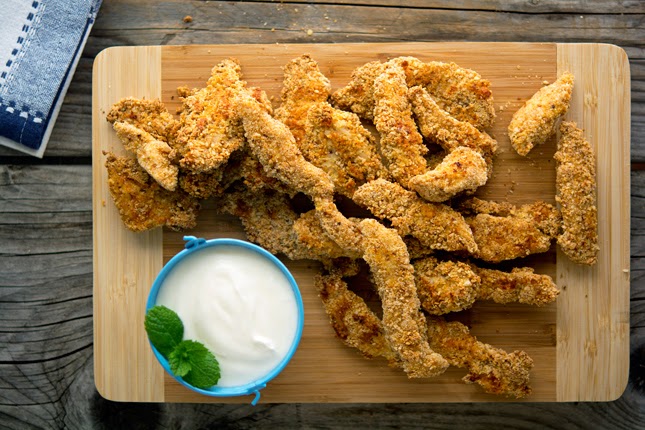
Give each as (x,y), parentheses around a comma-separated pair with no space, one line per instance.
(440,127)
(435,225)
(401,144)
(150,116)
(416,249)
(358,95)
(404,324)
(520,285)
(461,92)
(152,154)
(269,220)
(274,146)
(576,194)
(304,85)
(142,203)
(337,142)
(210,127)
(462,170)
(452,286)
(312,236)
(495,370)
(352,320)
(202,185)
(535,122)
(504,232)
(338,227)
(445,286)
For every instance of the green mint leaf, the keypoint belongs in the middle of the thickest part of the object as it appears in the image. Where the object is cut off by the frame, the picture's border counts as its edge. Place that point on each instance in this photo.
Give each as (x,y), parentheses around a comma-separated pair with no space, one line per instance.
(203,366)
(165,329)
(179,359)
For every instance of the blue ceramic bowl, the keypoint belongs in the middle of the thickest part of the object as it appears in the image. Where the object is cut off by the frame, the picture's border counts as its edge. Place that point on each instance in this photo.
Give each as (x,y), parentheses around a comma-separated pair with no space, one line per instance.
(194,244)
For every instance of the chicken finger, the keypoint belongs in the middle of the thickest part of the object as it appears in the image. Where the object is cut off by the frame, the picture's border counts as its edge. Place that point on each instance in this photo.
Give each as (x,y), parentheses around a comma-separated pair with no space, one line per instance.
(336,142)
(274,145)
(495,370)
(462,170)
(142,203)
(401,144)
(304,85)
(535,122)
(576,193)
(352,320)
(404,324)
(435,225)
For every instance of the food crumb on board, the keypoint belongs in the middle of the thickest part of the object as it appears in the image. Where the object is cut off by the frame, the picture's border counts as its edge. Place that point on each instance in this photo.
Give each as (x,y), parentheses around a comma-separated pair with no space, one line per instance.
(188,19)
(310,32)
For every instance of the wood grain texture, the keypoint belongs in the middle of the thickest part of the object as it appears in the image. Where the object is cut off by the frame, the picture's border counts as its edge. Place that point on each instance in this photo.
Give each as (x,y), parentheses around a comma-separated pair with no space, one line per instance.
(52,391)
(129,22)
(592,350)
(516,71)
(42,390)
(124,263)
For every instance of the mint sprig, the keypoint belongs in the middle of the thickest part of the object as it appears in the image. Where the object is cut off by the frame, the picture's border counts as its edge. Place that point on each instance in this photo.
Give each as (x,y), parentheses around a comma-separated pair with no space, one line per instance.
(196,362)
(188,359)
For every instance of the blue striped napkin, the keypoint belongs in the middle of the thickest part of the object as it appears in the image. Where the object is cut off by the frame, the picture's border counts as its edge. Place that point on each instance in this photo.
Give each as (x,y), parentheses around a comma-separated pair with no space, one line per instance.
(40,44)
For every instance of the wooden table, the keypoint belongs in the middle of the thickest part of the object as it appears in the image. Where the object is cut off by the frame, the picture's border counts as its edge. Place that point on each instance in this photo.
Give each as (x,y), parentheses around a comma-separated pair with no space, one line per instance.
(46,338)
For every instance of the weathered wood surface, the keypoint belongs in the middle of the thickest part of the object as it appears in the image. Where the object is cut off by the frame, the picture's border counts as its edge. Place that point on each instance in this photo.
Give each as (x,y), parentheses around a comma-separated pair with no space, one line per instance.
(46,377)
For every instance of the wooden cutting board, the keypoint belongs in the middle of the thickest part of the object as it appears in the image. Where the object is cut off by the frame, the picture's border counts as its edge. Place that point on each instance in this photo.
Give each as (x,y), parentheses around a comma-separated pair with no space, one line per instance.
(580,344)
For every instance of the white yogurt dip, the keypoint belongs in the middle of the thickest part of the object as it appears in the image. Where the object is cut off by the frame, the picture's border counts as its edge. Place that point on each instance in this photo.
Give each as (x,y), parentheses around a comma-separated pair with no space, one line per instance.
(238,304)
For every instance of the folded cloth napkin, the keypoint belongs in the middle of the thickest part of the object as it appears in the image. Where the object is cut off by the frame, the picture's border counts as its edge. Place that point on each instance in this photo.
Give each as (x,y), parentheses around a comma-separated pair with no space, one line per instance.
(40,44)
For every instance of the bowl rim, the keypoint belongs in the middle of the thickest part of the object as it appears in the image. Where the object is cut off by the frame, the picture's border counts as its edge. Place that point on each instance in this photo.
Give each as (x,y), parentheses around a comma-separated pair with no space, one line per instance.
(193,245)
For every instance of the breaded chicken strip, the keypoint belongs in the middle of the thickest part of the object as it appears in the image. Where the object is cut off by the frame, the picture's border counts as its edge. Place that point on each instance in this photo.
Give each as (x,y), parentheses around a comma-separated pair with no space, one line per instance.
(506,238)
(337,142)
(340,229)
(352,320)
(152,154)
(304,85)
(520,285)
(311,235)
(495,370)
(404,324)
(546,217)
(535,122)
(142,203)
(401,144)
(445,286)
(210,126)
(436,226)
(461,92)
(511,232)
(270,221)
(462,170)
(358,95)
(576,193)
(452,286)
(150,116)
(440,127)
(274,146)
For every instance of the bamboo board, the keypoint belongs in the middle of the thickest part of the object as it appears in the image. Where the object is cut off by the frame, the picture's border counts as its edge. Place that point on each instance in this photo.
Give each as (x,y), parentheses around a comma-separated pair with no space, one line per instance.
(580,344)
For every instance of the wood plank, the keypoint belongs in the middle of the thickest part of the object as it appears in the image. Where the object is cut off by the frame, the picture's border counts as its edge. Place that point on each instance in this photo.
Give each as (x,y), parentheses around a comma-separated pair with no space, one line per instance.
(593,312)
(535,6)
(124,263)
